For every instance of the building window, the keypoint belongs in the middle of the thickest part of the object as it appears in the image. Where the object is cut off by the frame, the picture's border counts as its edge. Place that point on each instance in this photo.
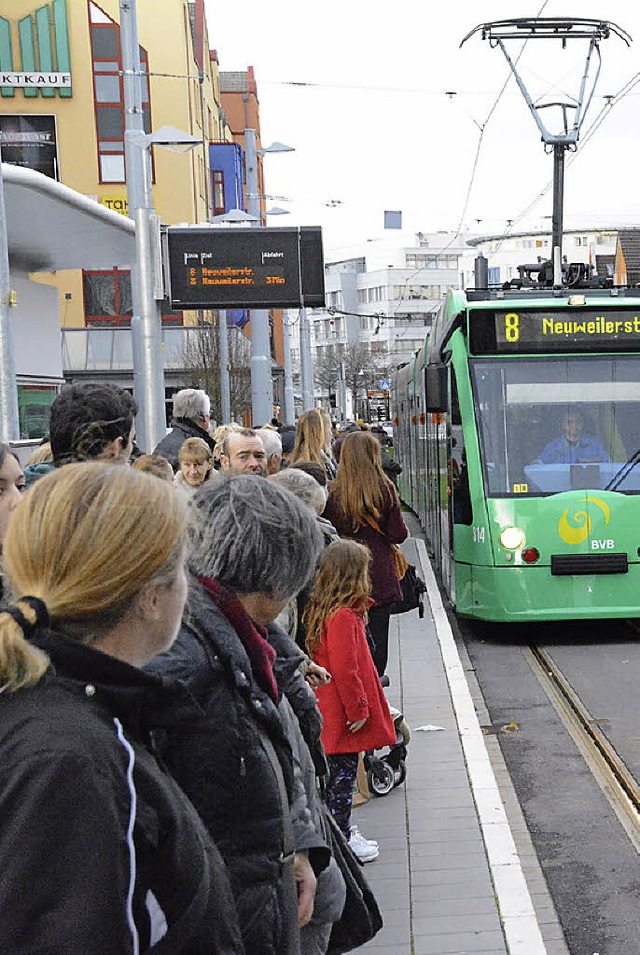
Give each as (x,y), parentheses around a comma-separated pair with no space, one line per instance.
(493,273)
(108,303)
(217,189)
(109,94)
(107,298)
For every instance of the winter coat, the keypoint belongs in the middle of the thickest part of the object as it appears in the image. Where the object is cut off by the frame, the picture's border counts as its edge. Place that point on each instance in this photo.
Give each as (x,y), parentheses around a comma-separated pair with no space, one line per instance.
(182,428)
(223,766)
(302,718)
(385,587)
(355,691)
(101,851)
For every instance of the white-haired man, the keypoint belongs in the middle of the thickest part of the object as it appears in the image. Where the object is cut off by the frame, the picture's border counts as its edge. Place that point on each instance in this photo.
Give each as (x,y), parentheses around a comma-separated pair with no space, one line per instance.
(191,408)
(273,448)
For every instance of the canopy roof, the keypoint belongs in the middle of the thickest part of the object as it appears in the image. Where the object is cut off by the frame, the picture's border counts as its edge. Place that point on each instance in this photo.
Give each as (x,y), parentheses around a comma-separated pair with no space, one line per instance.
(51,227)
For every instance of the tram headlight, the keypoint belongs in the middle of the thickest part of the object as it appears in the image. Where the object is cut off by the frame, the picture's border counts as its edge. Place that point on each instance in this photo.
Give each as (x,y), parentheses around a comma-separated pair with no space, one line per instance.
(512,538)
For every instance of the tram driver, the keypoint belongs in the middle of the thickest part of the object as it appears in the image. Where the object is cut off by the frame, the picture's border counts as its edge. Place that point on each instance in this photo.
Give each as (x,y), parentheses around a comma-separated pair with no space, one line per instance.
(572,446)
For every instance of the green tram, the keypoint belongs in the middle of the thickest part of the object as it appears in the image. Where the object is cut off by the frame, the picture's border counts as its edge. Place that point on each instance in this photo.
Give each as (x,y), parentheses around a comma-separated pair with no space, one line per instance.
(518,429)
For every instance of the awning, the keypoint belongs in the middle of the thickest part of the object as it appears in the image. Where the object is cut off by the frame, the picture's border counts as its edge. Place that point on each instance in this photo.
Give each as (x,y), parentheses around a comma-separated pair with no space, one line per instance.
(51,227)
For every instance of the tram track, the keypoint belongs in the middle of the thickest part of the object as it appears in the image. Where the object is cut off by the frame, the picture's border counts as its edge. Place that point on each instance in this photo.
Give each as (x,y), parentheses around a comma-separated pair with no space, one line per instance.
(606,765)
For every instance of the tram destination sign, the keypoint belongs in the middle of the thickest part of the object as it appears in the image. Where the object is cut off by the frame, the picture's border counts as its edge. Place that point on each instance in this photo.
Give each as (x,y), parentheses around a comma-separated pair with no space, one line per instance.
(245,268)
(563,329)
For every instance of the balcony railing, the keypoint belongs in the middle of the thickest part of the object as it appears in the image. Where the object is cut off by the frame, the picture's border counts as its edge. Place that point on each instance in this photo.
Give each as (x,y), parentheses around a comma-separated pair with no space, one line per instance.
(110,349)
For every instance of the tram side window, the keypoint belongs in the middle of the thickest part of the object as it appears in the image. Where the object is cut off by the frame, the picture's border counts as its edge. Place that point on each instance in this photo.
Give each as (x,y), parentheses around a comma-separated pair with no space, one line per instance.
(462,511)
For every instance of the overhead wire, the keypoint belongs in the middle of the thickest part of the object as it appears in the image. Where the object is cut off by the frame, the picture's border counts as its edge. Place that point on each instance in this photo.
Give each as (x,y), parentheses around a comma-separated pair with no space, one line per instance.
(611,102)
(482,128)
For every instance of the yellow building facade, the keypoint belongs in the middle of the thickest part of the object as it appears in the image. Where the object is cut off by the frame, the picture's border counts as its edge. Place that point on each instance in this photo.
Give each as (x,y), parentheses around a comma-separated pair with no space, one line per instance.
(62,112)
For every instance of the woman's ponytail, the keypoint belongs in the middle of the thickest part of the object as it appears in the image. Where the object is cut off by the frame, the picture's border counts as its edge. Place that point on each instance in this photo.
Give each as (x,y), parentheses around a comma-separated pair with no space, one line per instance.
(21,663)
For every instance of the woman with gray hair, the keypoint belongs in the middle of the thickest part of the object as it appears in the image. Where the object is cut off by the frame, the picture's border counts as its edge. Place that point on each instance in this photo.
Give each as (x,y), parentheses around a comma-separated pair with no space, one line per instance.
(252,547)
(307,490)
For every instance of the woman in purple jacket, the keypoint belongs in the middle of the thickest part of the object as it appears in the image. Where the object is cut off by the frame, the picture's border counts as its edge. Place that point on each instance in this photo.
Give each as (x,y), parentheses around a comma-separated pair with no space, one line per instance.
(363,505)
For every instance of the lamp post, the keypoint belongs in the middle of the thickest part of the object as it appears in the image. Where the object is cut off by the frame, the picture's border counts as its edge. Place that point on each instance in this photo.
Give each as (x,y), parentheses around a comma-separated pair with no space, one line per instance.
(289,410)
(233,216)
(261,383)
(149,373)
(9,423)
(306,362)
(146,323)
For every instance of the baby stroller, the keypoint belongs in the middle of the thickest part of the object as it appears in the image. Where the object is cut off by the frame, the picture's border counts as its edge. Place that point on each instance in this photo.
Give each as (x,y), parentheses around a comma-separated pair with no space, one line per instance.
(386,772)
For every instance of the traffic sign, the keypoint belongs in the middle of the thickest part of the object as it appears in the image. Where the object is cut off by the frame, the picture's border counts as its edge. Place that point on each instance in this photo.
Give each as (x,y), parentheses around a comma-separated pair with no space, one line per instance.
(385,385)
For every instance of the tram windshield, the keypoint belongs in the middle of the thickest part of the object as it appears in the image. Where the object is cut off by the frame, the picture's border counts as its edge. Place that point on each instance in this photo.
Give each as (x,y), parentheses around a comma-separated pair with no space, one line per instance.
(557,424)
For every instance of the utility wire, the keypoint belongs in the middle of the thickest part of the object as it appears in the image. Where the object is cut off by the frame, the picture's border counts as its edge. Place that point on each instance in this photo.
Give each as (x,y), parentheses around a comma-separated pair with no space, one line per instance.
(482,127)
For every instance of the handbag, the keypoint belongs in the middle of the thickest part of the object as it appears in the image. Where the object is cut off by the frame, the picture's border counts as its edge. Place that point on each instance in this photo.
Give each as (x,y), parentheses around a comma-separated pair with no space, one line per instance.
(413,587)
(361,919)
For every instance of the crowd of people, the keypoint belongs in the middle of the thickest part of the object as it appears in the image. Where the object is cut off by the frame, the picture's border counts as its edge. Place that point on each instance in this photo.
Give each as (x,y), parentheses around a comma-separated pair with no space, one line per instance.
(191,650)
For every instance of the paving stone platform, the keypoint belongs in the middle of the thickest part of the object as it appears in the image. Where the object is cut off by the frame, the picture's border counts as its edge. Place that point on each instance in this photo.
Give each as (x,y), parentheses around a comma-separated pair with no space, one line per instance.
(433,879)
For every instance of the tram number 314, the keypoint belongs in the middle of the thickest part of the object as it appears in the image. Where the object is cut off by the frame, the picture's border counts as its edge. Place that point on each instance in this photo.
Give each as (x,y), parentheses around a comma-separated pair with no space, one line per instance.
(478,535)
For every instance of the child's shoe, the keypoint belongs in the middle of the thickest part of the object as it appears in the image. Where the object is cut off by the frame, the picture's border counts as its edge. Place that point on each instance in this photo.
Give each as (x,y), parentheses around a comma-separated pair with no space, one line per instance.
(363,849)
(355,832)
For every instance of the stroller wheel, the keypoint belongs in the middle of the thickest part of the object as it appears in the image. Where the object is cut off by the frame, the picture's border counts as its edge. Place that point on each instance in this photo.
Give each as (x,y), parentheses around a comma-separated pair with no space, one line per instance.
(381,778)
(400,774)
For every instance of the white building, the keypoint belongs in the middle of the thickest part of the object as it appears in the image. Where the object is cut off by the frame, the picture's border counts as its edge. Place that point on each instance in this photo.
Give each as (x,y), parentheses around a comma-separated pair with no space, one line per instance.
(382,296)
(596,246)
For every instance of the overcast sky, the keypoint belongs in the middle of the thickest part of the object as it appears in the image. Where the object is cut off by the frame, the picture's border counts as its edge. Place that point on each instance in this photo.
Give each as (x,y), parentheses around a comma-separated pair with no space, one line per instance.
(391,113)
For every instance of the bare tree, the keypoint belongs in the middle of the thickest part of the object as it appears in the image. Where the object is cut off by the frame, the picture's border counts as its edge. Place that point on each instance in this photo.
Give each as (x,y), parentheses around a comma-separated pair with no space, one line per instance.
(364,367)
(327,367)
(201,360)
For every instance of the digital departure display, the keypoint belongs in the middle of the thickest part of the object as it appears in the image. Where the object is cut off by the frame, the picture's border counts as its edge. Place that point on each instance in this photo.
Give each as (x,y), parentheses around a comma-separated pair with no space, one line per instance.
(568,329)
(245,268)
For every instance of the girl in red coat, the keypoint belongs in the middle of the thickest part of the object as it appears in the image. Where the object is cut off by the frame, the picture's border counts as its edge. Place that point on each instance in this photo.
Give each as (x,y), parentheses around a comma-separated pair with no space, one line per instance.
(355,712)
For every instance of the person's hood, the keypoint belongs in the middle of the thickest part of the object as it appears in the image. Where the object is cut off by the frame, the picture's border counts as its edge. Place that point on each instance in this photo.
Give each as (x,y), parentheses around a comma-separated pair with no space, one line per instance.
(33,472)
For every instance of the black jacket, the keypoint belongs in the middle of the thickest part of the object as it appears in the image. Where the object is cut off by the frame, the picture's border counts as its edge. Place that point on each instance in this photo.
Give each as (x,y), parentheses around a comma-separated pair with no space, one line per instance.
(101,852)
(183,428)
(223,766)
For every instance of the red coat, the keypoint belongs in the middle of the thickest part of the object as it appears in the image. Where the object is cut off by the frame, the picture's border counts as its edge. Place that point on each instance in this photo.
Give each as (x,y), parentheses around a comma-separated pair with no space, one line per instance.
(355,691)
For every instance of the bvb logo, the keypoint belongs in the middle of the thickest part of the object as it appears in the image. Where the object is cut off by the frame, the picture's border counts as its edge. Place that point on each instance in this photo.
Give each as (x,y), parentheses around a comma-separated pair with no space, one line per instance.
(579,530)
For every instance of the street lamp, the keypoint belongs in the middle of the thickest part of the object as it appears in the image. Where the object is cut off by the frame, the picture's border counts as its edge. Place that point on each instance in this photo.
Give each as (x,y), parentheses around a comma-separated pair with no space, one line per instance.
(233,216)
(146,324)
(148,365)
(261,383)
(9,418)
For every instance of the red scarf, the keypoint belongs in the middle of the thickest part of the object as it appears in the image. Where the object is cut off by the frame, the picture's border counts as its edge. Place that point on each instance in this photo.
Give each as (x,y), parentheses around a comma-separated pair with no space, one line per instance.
(252,636)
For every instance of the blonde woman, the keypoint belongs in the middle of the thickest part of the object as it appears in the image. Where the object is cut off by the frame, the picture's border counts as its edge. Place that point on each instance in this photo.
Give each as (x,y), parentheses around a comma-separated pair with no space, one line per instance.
(364,505)
(328,437)
(12,487)
(310,442)
(195,461)
(101,850)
